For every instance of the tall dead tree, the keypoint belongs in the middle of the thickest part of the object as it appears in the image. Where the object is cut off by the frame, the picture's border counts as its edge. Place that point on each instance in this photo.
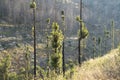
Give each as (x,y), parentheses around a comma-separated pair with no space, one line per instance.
(63,45)
(33,6)
(79,39)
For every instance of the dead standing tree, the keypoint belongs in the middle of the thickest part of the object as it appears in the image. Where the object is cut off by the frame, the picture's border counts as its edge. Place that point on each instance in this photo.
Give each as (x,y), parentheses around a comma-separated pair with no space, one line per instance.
(79,39)
(63,45)
(33,6)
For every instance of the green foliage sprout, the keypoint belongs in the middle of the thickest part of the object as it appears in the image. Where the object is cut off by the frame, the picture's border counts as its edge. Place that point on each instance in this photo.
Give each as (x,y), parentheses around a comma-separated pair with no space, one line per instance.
(84,30)
(78,19)
(33,5)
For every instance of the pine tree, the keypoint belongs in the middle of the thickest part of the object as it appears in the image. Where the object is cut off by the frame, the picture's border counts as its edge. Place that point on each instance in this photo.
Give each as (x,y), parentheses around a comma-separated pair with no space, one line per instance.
(27,62)
(82,34)
(4,66)
(56,41)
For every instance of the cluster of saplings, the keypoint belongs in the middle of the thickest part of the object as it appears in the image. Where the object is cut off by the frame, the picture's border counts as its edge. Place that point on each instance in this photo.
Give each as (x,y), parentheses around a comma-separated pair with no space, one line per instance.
(56,62)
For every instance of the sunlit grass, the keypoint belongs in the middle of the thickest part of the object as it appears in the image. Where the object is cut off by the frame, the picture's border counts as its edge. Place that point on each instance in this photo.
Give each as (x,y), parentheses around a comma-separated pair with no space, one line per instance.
(7,25)
(102,68)
(9,39)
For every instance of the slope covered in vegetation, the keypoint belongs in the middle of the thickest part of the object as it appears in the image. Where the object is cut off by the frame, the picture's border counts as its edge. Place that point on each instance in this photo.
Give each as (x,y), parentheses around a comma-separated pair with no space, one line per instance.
(101,68)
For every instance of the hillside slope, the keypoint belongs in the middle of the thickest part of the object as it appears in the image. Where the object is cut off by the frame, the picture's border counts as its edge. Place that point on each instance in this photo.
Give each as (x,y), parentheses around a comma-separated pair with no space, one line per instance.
(103,68)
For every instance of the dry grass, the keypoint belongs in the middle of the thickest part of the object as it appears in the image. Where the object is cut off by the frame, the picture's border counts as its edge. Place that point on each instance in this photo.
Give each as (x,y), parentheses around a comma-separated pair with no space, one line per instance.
(103,68)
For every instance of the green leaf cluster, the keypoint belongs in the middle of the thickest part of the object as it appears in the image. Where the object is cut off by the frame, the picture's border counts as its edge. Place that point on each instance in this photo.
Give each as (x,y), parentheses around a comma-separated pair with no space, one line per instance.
(78,19)
(84,30)
(56,60)
(57,36)
(33,5)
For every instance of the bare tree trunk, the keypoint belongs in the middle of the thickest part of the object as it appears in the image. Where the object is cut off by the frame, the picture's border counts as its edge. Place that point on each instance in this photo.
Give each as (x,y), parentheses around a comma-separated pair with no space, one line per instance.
(79,41)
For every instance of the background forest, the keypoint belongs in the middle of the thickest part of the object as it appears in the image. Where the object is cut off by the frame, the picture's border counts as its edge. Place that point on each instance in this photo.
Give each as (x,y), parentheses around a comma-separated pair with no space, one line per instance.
(100,17)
